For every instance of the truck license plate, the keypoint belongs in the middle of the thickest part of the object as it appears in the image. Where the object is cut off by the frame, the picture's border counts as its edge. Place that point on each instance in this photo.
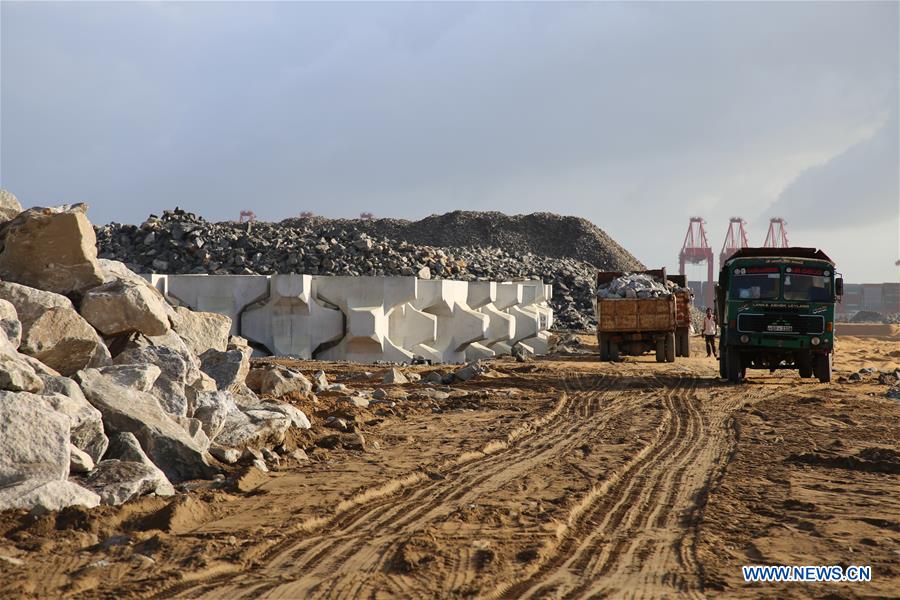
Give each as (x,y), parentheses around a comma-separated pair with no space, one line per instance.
(779,328)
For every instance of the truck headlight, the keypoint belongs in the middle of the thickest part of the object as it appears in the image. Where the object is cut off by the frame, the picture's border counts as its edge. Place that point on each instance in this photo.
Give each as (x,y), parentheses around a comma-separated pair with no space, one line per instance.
(815,341)
(745,339)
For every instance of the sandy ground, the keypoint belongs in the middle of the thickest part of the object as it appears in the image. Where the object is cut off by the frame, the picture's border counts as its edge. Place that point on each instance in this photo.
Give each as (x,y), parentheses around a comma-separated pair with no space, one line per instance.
(561,477)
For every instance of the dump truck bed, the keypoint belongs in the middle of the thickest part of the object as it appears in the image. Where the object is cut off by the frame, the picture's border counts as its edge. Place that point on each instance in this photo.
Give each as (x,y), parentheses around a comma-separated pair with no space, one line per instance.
(628,315)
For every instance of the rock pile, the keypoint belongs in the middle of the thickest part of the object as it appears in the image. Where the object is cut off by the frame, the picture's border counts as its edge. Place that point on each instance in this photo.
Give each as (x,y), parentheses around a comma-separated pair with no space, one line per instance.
(636,285)
(563,251)
(106,391)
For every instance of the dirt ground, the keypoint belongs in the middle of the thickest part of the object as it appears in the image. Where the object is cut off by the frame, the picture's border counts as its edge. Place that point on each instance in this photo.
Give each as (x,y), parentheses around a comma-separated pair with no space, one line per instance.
(560,477)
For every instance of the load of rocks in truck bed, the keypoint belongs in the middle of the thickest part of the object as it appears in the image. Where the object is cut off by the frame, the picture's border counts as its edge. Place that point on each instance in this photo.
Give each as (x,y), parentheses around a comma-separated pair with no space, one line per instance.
(106,391)
(636,285)
(464,246)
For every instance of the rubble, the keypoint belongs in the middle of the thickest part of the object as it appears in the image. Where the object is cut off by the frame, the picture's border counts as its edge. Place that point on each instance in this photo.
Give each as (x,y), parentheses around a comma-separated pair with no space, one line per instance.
(636,285)
(563,251)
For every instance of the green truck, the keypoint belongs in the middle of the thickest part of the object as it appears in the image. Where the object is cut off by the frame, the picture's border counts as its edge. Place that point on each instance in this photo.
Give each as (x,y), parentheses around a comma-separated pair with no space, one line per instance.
(775,308)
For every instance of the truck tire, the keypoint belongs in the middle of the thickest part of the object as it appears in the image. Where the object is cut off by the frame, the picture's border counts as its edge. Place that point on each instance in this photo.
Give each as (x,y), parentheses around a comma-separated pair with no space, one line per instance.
(670,347)
(603,346)
(723,372)
(685,335)
(661,350)
(733,366)
(822,367)
(805,365)
(613,351)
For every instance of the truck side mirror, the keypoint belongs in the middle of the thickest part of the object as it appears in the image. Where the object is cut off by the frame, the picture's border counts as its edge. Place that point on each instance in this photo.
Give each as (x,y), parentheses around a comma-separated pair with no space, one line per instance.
(839,286)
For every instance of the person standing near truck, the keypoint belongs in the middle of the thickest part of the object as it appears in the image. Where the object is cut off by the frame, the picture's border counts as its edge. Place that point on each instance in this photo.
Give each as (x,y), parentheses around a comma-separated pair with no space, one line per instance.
(710,329)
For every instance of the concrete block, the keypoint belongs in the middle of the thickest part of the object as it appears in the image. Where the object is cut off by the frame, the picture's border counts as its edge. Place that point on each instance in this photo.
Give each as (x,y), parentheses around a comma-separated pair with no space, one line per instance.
(477,351)
(535,295)
(367,303)
(160,282)
(501,326)
(538,344)
(481,293)
(224,294)
(458,325)
(408,327)
(291,321)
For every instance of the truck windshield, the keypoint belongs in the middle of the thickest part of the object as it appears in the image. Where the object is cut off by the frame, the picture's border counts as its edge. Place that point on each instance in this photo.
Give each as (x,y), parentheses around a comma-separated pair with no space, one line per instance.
(814,287)
(764,285)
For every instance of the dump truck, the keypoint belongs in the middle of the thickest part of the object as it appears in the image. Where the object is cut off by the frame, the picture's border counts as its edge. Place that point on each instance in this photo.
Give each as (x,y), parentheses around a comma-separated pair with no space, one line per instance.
(634,326)
(776,311)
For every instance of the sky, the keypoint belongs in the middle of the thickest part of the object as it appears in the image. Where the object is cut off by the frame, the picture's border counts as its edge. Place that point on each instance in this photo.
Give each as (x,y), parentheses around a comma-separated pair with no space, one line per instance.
(635,116)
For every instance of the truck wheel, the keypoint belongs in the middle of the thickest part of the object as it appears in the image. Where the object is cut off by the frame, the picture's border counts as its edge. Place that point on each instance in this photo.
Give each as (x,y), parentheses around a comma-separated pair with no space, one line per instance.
(723,373)
(804,365)
(822,367)
(613,351)
(670,347)
(733,365)
(603,346)
(685,335)
(661,350)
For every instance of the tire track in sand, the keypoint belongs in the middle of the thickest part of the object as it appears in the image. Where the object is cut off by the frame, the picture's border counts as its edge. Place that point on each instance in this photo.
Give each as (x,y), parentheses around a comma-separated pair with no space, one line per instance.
(342,537)
(634,536)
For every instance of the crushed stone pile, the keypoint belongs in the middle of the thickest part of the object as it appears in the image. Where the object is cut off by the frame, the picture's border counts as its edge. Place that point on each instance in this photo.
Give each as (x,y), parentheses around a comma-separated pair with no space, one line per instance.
(107,392)
(562,251)
(636,285)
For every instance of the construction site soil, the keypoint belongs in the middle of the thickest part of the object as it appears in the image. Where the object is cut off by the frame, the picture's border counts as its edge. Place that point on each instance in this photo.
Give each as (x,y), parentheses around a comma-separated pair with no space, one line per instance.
(559,477)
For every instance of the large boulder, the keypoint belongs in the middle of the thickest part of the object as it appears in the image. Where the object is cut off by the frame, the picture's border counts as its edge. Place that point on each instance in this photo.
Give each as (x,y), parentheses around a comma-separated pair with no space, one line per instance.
(9,206)
(277,381)
(16,375)
(10,325)
(125,447)
(229,368)
(160,350)
(35,440)
(212,410)
(87,433)
(140,377)
(120,306)
(201,331)
(167,444)
(53,249)
(52,331)
(178,369)
(117,481)
(41,496)
(255,429)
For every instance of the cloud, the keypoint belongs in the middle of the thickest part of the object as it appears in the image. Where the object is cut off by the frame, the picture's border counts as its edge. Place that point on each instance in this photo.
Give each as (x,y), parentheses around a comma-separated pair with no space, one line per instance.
(859,186)
(633,115)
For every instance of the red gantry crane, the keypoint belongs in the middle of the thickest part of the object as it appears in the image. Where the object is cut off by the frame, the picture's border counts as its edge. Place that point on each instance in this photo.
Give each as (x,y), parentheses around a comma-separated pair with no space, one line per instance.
(695,251)
(777,235)
(735,239)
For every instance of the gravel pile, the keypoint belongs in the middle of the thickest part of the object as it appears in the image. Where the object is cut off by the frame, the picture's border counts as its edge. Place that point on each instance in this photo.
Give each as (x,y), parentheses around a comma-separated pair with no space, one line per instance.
(636,285)
(563,251)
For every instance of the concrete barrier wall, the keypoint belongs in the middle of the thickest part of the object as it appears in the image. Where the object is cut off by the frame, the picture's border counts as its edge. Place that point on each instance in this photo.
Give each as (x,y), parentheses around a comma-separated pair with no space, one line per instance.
(370,319)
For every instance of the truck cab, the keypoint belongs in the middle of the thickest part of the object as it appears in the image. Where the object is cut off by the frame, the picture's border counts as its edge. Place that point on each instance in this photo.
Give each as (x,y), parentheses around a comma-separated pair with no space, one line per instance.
(776,311)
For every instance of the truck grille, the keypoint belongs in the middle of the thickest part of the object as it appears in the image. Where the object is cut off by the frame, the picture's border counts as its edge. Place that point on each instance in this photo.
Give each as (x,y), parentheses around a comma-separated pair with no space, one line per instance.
(784,323)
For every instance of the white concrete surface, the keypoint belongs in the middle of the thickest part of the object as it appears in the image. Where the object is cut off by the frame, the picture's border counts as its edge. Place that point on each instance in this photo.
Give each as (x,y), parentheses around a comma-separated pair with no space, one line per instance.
(224,294)
(291,321)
